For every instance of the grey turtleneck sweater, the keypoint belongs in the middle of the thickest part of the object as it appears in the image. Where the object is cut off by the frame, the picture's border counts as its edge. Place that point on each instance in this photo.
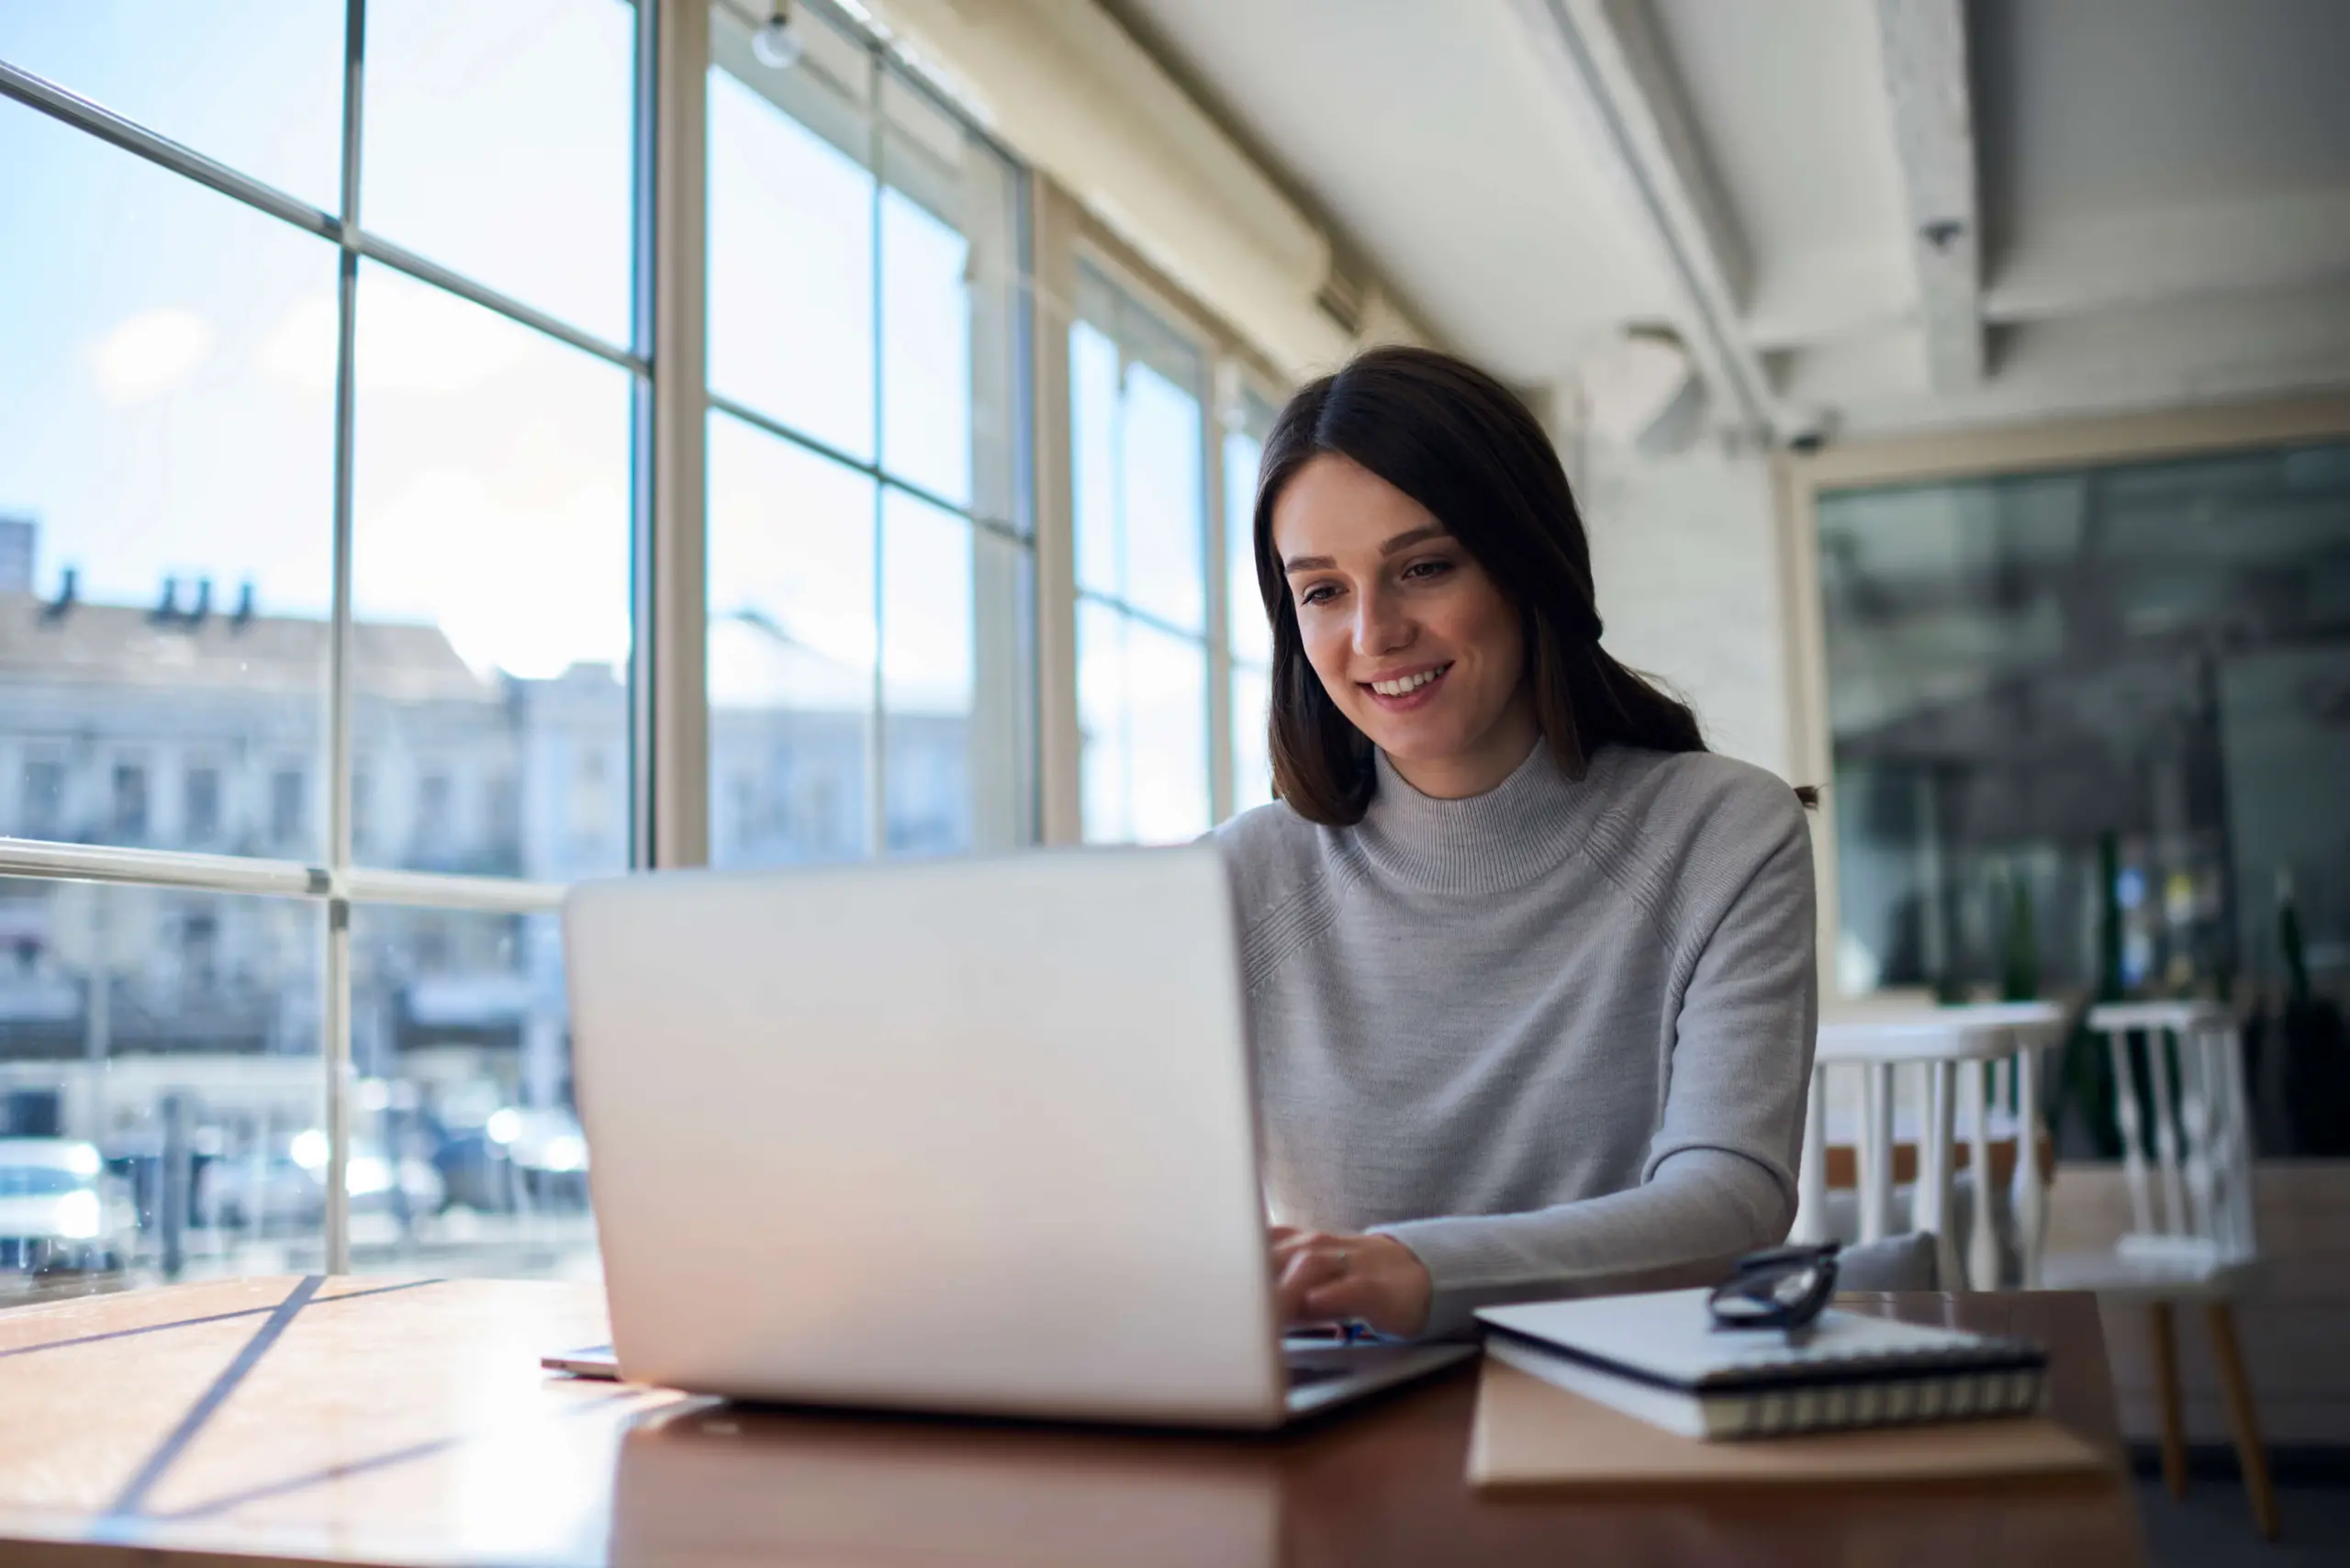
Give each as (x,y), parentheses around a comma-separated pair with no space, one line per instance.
(1554,1038)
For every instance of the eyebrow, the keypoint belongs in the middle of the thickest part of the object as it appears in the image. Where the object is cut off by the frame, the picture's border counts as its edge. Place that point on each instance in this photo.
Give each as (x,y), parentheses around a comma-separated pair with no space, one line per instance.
(1401,542)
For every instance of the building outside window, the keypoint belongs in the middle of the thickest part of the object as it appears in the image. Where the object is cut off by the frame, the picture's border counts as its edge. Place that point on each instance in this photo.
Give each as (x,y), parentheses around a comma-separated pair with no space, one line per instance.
(126,817)
(363,811)
(200,805)
(288,802)
(40,810)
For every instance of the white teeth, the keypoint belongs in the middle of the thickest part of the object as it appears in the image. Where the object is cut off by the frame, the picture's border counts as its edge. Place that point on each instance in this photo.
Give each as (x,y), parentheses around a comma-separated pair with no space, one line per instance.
(1409,683)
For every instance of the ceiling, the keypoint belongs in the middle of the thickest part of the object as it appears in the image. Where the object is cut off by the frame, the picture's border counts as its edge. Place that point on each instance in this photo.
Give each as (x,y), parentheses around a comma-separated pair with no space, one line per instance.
(1858,215)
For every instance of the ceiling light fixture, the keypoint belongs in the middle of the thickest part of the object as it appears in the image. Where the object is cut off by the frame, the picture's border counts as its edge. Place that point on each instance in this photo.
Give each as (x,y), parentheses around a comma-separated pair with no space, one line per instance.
(777,43)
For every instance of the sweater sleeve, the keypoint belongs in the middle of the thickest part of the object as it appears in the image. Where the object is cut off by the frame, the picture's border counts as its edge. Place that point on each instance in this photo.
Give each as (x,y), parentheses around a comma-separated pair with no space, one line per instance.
(1719,1179)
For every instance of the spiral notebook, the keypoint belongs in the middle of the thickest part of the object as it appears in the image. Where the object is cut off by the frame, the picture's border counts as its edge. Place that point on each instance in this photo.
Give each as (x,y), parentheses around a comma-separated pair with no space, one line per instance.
(1661,1357)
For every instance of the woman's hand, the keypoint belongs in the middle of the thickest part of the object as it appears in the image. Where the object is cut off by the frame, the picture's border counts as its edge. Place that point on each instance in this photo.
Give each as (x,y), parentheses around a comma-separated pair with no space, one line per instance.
(1322,1278)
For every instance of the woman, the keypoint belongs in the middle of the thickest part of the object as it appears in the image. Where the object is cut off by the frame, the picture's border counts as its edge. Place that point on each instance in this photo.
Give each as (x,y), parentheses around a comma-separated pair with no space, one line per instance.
(1530,971)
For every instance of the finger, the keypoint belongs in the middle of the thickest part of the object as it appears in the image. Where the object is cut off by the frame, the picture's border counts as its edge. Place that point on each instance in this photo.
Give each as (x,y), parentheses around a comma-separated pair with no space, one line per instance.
(1304,1273)
(1276,1234)
(1298,1241)
(1348,1295)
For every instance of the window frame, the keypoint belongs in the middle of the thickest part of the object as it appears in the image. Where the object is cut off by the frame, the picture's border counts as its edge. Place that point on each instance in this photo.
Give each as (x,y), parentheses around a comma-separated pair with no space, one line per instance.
(1229,364)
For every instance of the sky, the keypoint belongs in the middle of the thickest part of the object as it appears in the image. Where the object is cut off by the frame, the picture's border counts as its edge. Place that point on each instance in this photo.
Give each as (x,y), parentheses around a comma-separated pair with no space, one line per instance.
(167,356)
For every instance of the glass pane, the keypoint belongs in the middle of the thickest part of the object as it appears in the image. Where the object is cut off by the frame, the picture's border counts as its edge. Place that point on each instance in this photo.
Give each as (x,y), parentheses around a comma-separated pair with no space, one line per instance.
(1104,722)
(1136,429)
(791,219)
(256,85)
(1166,682)
(1094,407)
(1142,705)
(490,580)
(792,651)
(2024,669)
(1159,471)
(500,142)
(1252,756)
(949,263)
(162,1095)
(467,1155)
(956,726)
(1251,636)
(166,490)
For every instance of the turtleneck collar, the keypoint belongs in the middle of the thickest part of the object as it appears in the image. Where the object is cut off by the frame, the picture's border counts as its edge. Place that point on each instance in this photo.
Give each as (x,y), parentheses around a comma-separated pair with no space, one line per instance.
(1504,838)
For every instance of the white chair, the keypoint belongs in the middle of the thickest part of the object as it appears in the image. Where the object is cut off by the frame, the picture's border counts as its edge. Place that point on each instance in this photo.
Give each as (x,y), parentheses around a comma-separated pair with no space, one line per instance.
(2191,1237)
(1965,1062)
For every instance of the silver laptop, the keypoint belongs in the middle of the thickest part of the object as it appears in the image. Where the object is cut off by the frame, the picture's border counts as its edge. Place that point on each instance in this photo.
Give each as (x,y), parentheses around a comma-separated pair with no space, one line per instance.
(972,1135)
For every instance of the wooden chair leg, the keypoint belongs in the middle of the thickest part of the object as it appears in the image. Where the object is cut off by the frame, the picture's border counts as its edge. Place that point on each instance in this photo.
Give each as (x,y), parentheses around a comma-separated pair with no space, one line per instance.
(2166,1395)
(2242,1420)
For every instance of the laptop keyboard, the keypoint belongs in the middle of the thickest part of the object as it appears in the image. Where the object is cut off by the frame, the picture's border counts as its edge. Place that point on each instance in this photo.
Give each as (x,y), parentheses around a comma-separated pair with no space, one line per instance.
(1307,1376)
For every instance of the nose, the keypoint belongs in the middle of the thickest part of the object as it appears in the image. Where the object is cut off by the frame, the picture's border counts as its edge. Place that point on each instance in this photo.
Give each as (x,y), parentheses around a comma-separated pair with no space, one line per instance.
(1382,625)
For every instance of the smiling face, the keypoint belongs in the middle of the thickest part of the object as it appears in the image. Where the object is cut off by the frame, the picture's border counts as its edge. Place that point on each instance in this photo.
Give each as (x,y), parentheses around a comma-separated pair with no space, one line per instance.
(1411,638)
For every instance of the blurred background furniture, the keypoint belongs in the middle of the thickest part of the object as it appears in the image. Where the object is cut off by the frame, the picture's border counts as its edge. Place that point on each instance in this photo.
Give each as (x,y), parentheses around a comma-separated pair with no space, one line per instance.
(1974,1107)
(2192,1237)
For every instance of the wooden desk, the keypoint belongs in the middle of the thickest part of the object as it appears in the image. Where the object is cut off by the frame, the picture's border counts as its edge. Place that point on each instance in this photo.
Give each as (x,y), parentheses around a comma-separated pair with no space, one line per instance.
(356,1420)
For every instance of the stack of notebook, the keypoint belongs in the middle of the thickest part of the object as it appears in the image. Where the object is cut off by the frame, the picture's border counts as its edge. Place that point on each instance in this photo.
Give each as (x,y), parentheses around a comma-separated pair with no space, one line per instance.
(1662,1358)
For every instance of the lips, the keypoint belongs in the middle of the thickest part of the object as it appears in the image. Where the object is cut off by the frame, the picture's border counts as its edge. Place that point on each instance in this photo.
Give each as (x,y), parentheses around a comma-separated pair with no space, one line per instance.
(1406,689)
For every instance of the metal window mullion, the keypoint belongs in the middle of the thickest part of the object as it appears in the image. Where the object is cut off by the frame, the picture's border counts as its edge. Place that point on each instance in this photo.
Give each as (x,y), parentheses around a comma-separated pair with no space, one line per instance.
(427,889)
(253,877)
(71,108)
(875,742)
(335,1013)
(644,240)
(1020,420)
(159,868)
(1118,554)
(1060,731)
(1221,788)
(675,708)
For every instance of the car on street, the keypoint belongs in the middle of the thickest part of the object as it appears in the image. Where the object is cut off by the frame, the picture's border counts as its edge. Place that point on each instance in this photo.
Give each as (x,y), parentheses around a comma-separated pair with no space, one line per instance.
(58,1209)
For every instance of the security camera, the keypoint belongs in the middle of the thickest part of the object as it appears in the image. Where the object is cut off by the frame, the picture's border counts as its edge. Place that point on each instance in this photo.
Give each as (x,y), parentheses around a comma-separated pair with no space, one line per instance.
(1810,430)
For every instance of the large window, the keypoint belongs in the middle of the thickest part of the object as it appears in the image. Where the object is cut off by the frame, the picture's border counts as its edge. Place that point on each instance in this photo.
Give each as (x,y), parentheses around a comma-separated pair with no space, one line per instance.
(1137,395)
(348,556)
(219,395)
(869,563)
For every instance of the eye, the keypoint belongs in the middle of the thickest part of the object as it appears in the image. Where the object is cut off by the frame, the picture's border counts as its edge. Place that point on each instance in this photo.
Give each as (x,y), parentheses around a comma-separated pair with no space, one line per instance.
(1316,593)
(1425,571)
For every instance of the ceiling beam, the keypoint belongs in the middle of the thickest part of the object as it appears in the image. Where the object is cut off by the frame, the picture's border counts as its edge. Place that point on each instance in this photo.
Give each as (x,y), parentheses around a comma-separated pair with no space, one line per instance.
(1611,63)
(2259,242)
(1924,52)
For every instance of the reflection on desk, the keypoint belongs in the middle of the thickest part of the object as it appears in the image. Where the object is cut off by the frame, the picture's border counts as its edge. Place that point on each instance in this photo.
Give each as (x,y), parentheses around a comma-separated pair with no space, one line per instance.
(716,1482)
(371,1421)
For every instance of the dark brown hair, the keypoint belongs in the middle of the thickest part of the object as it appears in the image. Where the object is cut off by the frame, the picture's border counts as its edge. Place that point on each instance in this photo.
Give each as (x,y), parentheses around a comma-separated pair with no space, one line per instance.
(1465,447)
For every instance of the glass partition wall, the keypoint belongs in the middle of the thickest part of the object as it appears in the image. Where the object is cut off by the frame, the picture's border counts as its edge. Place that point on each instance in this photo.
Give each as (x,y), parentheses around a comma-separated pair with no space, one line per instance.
(2090,730)
(327,500)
